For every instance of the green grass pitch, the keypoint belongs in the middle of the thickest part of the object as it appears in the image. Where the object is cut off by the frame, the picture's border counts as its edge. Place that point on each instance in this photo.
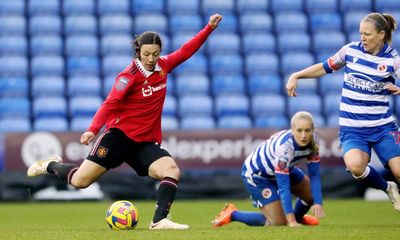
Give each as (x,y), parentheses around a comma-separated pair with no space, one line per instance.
(345,219)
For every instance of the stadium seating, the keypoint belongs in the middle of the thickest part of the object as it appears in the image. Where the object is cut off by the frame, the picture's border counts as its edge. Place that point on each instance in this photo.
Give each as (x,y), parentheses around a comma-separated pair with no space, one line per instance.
(78,7)
(84,106)
(19,124)
(170,106)
(187,84)
(115,24)
(234,122)
(51,124)
(109,7)
(255,22)
(198,123)
(252,6)
(306,102)
(14,66)
(291,22)
(150,22)
(15,107)
(227,84)
(45,25)
(258,42)
(169,123)
(264,84)
(229,63)
(232,104)
(256,63)
(271,122)
(146,6)
(355,5)
(12,25)
(48,86)
(185,7)
(84,86)
(294,42)
(286,6)
(80,124)
(195,105)
(116,44)
(83,66)
(47,65)
(80,24)
(76,46)
(43,7)
(49,106)
(268,105)
(14,86)
(15,7)
(46,45)
(185,23)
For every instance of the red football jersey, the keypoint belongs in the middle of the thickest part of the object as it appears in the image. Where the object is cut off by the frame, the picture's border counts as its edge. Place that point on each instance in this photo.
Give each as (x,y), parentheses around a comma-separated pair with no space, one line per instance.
(134,104)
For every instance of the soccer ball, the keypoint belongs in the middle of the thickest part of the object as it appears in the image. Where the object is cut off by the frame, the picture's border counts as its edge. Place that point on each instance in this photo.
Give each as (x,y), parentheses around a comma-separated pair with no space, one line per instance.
(122,215)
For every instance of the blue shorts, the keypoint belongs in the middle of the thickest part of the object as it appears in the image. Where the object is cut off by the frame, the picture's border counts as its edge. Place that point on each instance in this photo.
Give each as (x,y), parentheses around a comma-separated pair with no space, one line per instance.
(385,143)
(265,190)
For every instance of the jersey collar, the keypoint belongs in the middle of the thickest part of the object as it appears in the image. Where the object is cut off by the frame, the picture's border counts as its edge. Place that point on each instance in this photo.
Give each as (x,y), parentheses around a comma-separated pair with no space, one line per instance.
(143,70)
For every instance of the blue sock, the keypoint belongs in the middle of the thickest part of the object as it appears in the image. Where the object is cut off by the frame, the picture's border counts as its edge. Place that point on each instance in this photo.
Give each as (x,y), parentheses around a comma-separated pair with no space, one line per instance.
(372,179)
(249,218)
(300,210)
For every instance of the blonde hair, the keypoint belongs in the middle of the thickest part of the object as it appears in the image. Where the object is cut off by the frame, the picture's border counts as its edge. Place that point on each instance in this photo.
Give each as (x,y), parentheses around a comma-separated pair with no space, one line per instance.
(307,116)
(383,22)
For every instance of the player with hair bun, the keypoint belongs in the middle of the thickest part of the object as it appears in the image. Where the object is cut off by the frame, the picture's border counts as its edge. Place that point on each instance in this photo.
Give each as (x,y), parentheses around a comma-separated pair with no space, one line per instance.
(365,120)
(131,115)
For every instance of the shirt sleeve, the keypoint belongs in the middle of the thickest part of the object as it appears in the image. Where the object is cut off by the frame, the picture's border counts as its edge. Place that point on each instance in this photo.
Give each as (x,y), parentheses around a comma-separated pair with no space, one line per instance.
(188,49)
(110,105)
(282,177)
(337,61)
(313,165)
(396,66)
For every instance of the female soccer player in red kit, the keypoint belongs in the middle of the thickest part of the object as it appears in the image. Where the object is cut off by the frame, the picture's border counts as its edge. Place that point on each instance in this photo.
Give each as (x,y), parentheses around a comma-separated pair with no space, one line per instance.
(132,118)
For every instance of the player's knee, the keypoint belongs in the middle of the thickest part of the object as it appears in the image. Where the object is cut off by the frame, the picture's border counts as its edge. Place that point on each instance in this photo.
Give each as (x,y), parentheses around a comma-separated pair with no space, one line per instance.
(80,182)
(277,221)
(173,171)
(356,169)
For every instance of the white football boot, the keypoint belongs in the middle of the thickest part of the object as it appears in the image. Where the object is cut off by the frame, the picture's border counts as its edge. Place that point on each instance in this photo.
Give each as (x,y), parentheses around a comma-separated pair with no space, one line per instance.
(166,224)
(394,196)
(40,167)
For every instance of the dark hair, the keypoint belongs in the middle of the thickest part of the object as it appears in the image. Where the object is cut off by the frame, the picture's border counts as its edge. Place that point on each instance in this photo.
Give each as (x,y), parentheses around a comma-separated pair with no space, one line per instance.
(145,38)
(383,22)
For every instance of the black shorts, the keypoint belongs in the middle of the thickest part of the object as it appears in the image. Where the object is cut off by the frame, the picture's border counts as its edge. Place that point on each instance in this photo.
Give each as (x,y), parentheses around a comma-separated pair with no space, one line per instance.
(113,148)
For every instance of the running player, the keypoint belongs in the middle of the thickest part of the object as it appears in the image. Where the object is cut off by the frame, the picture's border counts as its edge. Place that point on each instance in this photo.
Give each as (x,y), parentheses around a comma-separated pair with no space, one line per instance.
(366,120)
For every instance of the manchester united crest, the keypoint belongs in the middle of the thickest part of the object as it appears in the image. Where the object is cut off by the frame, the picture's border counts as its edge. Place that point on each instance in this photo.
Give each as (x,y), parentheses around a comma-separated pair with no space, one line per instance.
(161,73)
(102,152)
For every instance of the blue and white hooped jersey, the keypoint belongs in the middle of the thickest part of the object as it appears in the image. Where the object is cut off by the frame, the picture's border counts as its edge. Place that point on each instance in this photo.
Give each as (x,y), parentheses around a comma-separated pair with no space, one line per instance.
(365,102)
(278,154)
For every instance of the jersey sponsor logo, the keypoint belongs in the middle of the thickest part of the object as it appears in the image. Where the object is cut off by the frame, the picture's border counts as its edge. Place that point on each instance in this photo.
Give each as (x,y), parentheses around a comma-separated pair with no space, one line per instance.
(121,84)
(266,193)
(148,91)
(102,152)
(354,81)
(382,67)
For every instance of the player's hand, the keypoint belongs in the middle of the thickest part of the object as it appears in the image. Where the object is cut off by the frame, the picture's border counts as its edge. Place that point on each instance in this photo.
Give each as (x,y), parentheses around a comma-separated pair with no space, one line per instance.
(291,86)
(392,88)
(214,20)
(294,224)
(317,210)
(87,137)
